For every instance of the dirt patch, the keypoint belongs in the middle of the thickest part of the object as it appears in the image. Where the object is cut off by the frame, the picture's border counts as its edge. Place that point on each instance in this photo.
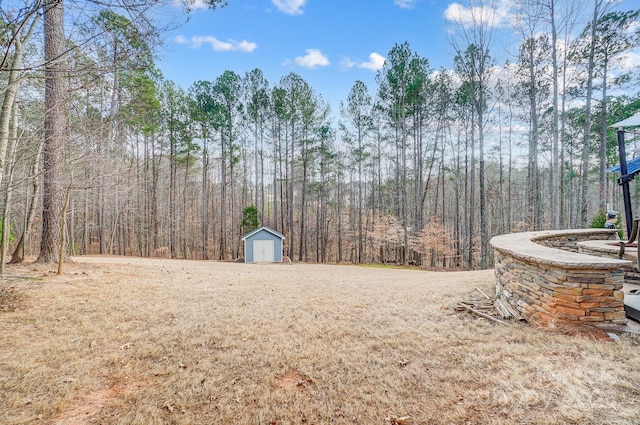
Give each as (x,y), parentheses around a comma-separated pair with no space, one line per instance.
(293,380)
(86,410)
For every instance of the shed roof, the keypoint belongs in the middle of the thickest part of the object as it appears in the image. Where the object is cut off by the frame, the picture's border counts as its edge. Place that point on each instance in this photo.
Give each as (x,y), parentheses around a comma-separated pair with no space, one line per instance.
(268,229)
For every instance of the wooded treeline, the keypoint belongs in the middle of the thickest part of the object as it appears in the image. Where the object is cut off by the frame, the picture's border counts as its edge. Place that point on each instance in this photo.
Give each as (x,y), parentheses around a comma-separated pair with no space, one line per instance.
(423,168)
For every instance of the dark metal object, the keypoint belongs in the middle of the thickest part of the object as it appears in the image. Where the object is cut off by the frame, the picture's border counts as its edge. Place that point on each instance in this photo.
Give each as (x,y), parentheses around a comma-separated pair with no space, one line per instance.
(624,180)
(633,237)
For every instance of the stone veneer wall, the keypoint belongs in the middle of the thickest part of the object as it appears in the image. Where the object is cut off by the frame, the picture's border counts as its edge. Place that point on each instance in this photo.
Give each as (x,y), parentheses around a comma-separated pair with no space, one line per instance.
(549,287)
(569,241)
(546,295)
(631,273)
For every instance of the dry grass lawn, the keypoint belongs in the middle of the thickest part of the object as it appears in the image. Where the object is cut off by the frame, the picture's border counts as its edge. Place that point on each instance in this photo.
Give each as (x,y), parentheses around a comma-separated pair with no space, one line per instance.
(148,341)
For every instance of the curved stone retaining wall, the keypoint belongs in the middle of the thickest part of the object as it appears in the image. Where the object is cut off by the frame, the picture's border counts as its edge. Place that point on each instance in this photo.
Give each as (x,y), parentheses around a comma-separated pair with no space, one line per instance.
(544,277)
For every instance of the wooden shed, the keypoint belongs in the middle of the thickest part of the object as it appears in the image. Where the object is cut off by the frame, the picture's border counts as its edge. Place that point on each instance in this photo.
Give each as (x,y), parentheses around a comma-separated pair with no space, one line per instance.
(263,245)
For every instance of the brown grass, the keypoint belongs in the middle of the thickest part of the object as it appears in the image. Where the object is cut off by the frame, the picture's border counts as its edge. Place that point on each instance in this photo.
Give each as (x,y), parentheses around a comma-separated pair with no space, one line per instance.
(133,341)
(10,293)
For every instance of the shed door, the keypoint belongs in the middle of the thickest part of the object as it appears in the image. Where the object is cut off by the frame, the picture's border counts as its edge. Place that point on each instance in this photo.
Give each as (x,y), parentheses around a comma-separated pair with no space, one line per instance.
(262,251)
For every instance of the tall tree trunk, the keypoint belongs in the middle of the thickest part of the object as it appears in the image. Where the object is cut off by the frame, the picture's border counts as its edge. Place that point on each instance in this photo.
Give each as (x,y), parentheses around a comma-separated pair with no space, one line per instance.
(484,234)
(234,242)
(403,185)
(54,130)
(19,251)
(205,202)
(533,191)
(173,248)
(276,191)
(262,196)
(603,140)
(339,215)
(156,157)
(291,192)
(510,172)
(457,233)
(586,142)
(185,221)
(471,200)
(556,212)
(302,253)
(562,207)
(360,206)
(14,77)
(6,222)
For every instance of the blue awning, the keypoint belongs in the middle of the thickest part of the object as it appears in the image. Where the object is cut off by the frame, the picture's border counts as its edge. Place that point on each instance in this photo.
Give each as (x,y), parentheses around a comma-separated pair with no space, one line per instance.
(633,167)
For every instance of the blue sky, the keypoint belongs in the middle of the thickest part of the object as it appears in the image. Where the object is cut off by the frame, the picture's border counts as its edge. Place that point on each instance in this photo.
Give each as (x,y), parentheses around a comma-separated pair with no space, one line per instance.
(330,43)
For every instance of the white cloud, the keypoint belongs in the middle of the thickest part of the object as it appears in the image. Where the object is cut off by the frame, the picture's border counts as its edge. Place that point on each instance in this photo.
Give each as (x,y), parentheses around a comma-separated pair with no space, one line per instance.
(219,46)
(290,7)
(405,4)
(495,15)
(197,4)
(376,62)
(313,58)
(631,60)
(347,63)
(191,4)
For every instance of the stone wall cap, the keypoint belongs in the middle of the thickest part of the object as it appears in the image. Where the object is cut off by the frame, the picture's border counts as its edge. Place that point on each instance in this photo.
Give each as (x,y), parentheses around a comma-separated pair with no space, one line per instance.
(525,246)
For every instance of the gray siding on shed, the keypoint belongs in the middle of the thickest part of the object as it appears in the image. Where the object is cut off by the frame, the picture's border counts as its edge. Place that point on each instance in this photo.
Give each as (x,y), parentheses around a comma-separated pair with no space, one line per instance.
(262,234)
